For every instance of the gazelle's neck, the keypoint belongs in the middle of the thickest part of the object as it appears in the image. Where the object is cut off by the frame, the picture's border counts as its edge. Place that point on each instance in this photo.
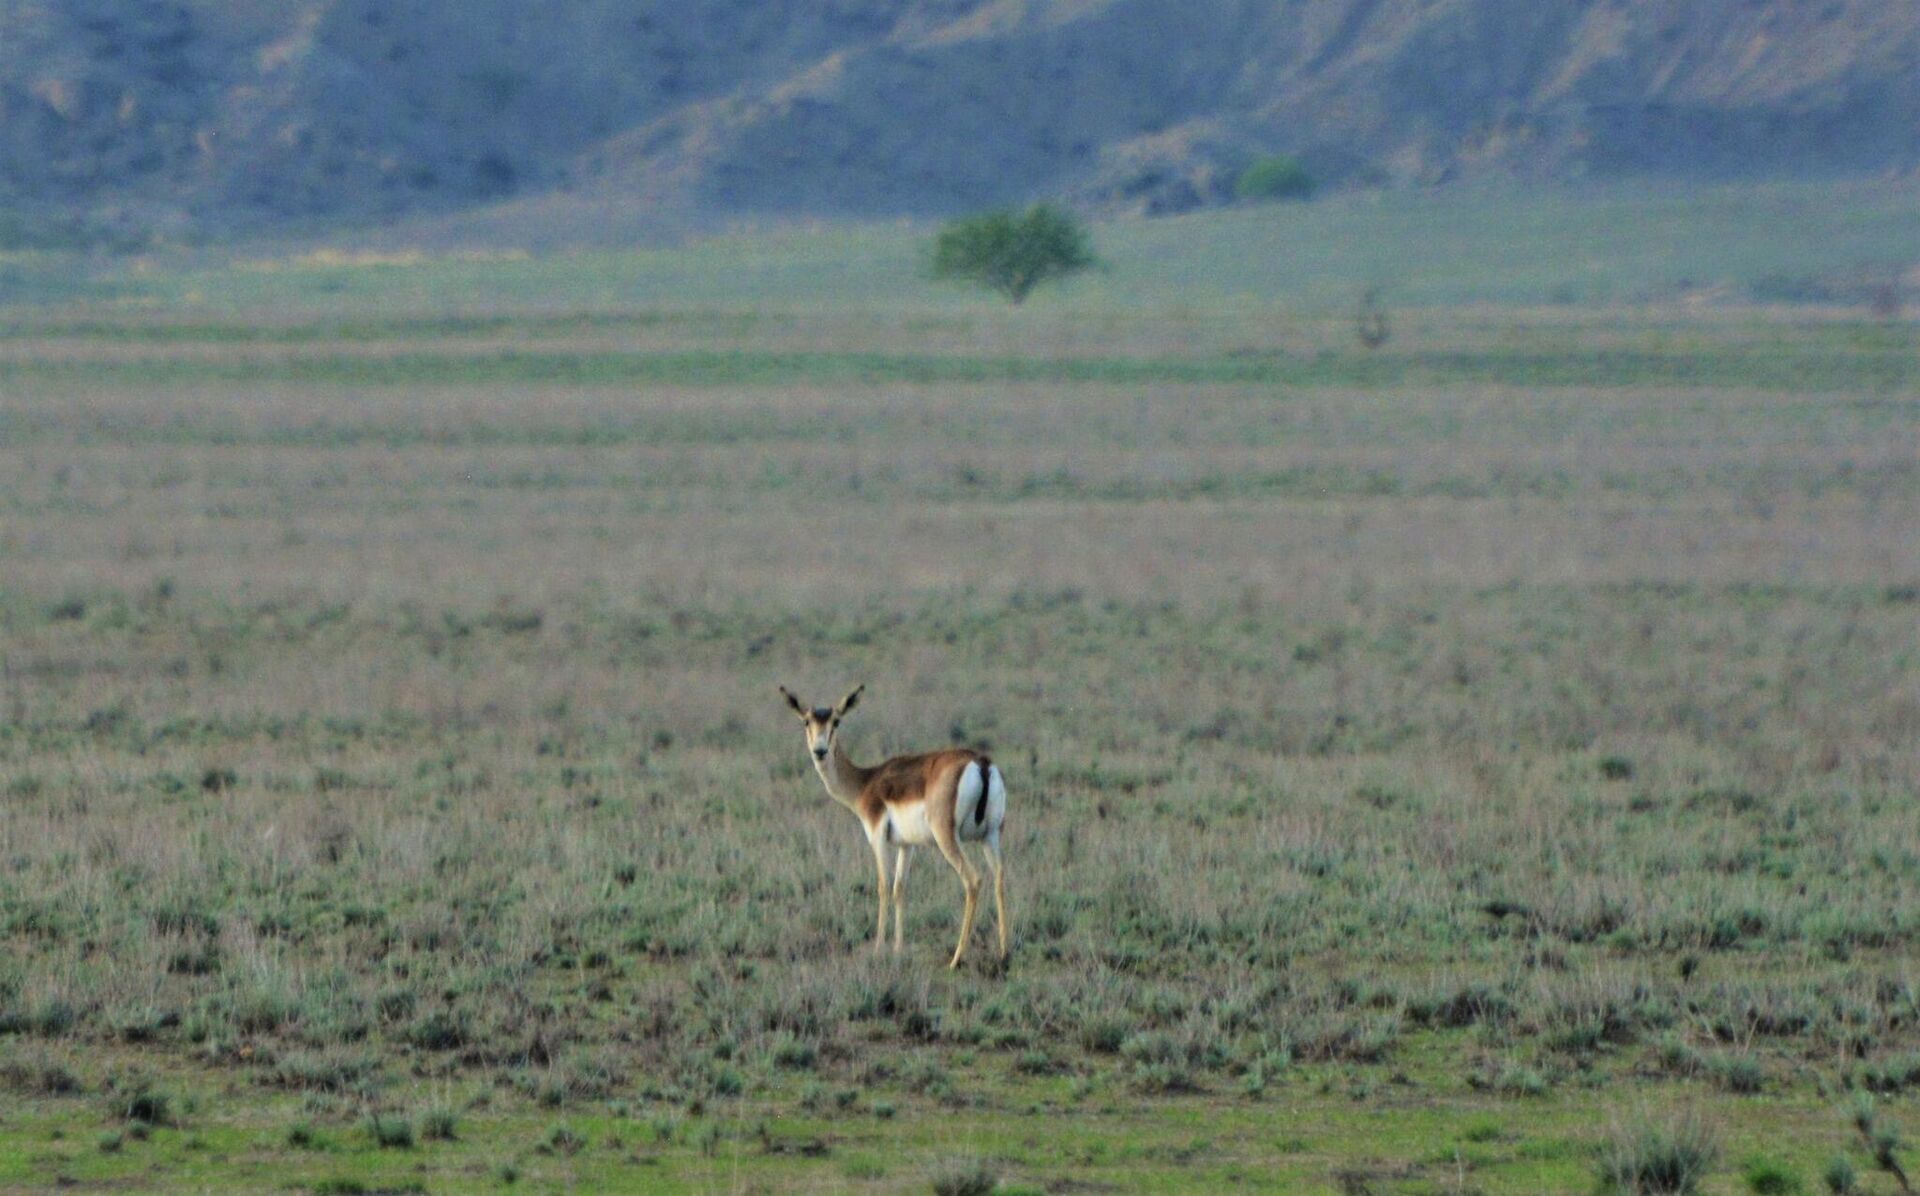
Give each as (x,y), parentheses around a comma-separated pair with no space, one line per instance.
(842,776)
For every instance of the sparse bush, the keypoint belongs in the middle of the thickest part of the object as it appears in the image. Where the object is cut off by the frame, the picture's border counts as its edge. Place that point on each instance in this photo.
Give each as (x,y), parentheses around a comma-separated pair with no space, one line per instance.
(929,1077)
(665,1128)
(1840,1177)
(323,1071)
(390,1131)
(1767,1177)
(1658,1160)
(1161,1062)
(1365,1040)
(1035,1063)
(708,1140)
(138,1100)
(965,1177)
(1483,1131)
(1519,1080)
(1891,1076)
(140,1024)
(1472,1005)
(1616,768)
(440,1030)
(51,1018)
(1677,1057)
(302,1136)
(396,1003)
(1740,1074)
(1104,1035)
(1885,1145)
(795,1054)
(38,1075)
(439,1124)
(563,1139)
(1882,1139)
(1265,1070)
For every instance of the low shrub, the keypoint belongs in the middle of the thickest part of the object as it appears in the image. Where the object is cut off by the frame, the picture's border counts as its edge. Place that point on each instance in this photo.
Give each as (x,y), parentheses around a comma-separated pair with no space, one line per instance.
(302,1136)
(439,1124)
(563,1139)
(1741,1074)
(1769,1177)
(1652,1160)
(1891,1075)
(38,1075)
(795,1054)
(138,1100)
(390,1131)
(965,1177)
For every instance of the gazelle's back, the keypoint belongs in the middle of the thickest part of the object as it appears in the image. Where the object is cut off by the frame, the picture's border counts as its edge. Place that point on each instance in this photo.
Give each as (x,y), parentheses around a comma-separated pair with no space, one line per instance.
(910,778)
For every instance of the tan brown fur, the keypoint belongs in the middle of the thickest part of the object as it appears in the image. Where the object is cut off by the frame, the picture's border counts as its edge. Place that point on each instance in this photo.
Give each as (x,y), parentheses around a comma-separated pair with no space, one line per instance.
(930,776)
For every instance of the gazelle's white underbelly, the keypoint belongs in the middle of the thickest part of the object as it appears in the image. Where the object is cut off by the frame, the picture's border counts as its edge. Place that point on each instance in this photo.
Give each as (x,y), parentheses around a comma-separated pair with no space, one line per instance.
(908,824)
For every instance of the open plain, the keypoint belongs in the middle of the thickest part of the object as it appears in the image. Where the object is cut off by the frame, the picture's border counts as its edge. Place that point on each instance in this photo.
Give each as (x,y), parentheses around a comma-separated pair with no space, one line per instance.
(1428,765)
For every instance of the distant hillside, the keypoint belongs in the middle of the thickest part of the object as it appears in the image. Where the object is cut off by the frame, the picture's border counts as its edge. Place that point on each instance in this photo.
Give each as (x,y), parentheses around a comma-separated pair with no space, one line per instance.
(609,118)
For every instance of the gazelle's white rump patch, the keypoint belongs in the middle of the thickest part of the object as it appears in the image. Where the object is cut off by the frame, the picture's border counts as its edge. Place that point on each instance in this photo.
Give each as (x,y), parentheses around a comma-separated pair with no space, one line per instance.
(967,820)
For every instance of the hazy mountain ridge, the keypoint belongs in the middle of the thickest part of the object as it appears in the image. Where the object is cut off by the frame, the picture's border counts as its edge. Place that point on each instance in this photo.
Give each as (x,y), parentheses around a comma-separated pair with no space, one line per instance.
(209,115)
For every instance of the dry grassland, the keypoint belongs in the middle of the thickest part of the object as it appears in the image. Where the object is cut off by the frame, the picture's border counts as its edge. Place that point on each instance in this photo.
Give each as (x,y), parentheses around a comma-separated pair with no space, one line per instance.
(1423,766)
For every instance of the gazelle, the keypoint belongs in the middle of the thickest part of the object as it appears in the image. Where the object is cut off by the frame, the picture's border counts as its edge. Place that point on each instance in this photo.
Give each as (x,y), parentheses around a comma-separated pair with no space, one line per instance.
(941,798)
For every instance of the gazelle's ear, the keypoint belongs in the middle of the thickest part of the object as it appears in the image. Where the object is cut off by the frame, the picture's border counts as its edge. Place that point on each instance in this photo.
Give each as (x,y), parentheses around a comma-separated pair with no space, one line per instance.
(847,702)
(793,702)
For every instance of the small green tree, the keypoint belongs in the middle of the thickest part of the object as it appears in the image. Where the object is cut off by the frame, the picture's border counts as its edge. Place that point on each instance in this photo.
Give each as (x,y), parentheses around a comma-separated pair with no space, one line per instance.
(1013,252)
(1279,177)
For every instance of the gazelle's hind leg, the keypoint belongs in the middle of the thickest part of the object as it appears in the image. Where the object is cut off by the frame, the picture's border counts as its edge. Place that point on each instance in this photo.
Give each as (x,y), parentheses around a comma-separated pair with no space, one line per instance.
(949,845)
(900,860)
(998,863)
(880,865)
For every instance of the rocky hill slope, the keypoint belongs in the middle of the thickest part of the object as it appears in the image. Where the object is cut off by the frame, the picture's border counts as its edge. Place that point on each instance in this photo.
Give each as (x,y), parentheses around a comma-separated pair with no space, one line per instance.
(215,116)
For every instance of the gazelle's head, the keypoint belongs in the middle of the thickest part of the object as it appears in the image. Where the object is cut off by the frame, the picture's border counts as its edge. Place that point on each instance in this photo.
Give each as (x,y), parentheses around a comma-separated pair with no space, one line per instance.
(822,722)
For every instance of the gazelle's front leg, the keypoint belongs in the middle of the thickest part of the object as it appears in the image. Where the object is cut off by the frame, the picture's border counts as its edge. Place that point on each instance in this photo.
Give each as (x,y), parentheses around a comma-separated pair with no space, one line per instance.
(880,865)
(900,894)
